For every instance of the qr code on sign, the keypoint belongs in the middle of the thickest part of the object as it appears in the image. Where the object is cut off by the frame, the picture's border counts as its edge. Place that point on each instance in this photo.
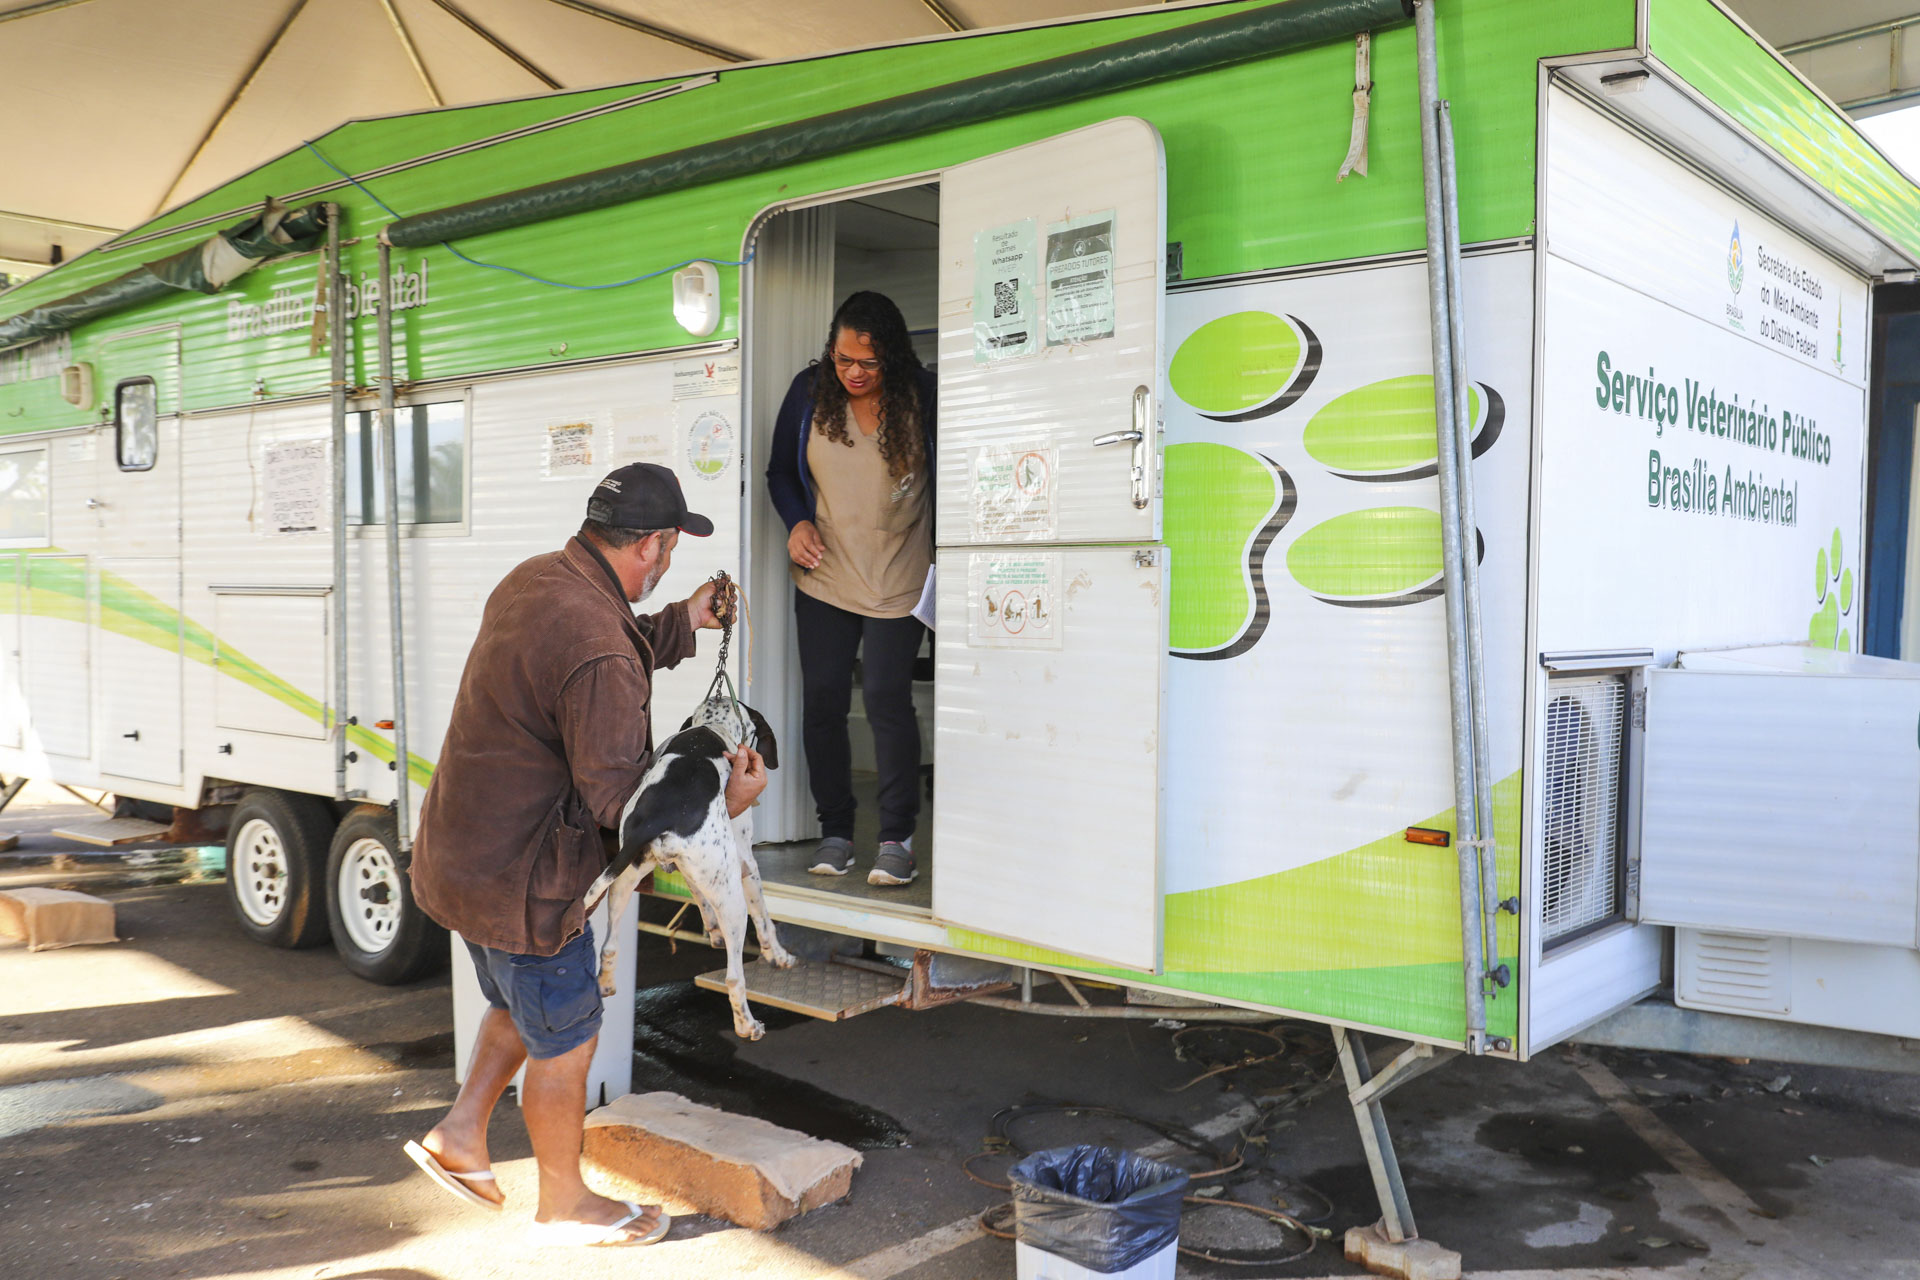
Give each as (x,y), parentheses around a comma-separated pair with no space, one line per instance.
(1005,300)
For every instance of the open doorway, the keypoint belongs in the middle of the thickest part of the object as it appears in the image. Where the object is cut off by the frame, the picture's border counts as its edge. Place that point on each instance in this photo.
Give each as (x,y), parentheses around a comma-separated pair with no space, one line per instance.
(806,261)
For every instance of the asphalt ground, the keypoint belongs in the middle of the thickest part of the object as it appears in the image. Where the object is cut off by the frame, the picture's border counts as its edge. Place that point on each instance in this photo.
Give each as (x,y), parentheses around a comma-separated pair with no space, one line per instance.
(186,1103)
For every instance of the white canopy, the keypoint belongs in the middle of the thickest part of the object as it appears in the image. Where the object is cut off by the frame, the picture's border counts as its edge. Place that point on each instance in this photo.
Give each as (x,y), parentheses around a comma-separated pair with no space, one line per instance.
(123,108)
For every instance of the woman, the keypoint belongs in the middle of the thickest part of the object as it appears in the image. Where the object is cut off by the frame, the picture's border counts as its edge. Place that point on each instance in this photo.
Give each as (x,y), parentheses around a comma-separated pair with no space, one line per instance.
(852,475)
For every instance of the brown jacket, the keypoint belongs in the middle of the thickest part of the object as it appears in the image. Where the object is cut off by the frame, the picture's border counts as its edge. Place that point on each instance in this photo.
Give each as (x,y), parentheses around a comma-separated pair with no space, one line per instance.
(551,733)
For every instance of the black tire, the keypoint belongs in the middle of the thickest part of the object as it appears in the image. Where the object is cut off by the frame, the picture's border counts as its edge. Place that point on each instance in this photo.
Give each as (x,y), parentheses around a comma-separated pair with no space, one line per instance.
(387,939)
(276,864)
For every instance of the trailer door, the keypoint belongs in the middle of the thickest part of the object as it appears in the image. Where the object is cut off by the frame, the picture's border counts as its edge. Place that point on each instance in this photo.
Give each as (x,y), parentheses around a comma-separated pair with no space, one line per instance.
(1052,599)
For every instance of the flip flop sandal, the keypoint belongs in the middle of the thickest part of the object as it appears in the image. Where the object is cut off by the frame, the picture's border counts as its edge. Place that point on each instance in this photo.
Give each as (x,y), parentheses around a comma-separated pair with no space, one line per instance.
(593,1235)
(453,1180)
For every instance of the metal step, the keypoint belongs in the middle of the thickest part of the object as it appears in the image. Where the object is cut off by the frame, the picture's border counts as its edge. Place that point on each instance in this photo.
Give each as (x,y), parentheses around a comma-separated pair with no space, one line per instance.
(818,989)
(112,831)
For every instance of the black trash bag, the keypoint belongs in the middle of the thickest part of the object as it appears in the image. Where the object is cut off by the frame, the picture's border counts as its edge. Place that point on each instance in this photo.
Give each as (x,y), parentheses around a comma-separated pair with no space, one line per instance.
(1095,1207)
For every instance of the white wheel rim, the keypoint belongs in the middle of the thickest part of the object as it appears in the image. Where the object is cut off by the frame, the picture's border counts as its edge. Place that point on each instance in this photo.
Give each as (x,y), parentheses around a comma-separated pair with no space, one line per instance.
(259,872)
(370,895)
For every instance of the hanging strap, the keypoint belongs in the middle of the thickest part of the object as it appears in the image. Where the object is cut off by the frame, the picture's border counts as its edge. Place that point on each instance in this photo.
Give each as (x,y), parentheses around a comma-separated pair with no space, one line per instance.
(1356,161)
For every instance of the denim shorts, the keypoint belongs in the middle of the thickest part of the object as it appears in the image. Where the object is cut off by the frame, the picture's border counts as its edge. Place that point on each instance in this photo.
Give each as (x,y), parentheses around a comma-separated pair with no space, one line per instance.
(554,1000)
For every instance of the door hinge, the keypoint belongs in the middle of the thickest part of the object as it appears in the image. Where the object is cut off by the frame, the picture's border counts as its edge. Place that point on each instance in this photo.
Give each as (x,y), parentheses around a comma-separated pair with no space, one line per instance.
(1640,709)
(1146,558)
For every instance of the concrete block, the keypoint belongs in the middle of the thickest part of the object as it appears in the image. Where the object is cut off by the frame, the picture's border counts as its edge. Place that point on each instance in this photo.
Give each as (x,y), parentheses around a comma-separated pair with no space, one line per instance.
(48,918)
(1402,1259)
(659,1148)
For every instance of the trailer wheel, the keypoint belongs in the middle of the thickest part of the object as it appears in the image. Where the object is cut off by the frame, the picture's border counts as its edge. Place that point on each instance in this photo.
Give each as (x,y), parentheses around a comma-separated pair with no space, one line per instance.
(380,933)
(276,858)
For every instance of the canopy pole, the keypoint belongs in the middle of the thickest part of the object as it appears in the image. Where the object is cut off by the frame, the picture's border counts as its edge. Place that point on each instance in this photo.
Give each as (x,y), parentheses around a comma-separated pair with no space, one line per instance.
(337,354)
(390,483)
(1484,823)
(1453,556)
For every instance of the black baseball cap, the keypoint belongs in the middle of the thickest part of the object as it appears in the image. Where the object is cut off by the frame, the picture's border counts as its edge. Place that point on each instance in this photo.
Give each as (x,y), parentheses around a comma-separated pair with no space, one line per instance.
(644,495)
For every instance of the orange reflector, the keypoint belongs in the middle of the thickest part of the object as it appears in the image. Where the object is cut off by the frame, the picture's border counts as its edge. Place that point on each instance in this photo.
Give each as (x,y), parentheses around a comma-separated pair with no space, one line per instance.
(388,724)
(1427,835)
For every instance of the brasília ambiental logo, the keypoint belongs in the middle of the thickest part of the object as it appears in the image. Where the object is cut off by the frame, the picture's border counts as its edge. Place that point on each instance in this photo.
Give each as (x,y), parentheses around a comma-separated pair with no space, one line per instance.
(1736,260)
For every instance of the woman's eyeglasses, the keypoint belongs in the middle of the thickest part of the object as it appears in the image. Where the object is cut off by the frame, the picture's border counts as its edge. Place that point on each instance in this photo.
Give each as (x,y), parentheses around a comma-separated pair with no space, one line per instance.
(847,362)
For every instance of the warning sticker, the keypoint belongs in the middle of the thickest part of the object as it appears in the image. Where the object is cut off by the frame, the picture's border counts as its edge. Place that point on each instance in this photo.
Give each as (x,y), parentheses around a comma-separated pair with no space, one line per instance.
(1013,491)
(1080,280)
(1006,279)
(569,448)
(1013,600)
(295,485)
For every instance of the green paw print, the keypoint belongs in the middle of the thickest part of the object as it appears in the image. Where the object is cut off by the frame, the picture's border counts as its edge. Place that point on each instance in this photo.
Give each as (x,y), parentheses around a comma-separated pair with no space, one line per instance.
(1245,366)
(1224,508)
(1833,593)
(1384,432)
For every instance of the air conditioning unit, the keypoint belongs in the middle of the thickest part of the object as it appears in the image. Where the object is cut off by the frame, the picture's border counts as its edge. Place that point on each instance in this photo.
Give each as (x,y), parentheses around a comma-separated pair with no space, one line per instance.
(1583,797)
(76,385)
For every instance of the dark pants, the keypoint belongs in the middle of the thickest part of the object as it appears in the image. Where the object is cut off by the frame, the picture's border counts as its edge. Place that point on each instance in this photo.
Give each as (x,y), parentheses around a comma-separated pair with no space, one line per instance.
(830,637)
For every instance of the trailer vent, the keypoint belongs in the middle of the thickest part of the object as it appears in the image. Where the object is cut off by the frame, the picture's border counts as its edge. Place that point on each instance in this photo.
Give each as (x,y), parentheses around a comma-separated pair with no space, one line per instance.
(1586,755)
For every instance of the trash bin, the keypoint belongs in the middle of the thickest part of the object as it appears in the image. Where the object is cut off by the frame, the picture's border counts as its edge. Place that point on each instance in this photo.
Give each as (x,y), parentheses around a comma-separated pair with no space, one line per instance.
(1084,1211)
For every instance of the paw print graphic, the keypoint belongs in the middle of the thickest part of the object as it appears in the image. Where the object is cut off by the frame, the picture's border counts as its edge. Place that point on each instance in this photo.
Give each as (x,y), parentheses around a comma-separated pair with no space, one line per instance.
(1833,594)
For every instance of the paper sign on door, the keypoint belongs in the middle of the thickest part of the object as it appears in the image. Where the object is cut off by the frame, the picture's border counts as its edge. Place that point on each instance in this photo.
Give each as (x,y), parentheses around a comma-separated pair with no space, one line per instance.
(1013,490)
(1013,600)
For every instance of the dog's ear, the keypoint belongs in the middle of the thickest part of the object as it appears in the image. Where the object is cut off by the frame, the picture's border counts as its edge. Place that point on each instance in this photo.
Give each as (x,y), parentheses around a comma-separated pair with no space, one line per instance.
(763,738)
(686,724)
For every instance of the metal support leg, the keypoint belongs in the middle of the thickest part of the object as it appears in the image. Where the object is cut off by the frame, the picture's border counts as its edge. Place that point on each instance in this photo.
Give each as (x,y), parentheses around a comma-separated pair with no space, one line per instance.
(1364,1091)
(11,790)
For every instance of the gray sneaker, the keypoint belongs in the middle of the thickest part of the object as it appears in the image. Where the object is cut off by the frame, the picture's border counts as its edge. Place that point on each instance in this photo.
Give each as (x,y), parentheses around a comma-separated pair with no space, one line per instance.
(893,865)
(834,857)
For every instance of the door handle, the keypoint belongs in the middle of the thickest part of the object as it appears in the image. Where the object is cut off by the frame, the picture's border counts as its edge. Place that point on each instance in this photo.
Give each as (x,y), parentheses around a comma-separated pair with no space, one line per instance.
(135,735)
(1142,406)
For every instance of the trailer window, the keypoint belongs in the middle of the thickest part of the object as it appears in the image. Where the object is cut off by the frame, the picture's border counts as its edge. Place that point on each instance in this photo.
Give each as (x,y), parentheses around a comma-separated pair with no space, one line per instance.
(431,457)
(136,424)
(23,498)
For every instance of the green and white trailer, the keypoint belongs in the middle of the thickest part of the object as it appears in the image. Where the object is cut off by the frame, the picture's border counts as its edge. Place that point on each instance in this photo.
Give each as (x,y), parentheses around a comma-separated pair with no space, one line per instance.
(1352,417)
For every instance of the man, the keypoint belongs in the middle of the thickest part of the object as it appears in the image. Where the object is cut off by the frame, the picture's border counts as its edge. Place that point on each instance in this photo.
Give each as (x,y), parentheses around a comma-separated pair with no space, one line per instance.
(550,736)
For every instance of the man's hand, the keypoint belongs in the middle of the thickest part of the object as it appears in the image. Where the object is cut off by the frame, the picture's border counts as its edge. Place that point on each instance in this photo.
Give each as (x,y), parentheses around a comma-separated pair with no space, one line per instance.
(805,546)
(700,605)
(748,780)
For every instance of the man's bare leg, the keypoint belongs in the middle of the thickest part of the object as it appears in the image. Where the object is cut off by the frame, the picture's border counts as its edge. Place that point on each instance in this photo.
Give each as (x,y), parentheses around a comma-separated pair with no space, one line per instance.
(554,1101)
(459,1141)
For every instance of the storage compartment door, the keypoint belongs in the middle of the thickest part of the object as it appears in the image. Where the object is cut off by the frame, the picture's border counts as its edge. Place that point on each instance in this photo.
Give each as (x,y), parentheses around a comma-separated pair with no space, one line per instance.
(59,669)
(1052,258)
(1782,805)
(140,644)
(1047,812)
(273,659)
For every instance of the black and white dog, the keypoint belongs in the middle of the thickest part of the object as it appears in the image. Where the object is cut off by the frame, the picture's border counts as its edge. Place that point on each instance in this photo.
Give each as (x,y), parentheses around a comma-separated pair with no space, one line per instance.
(677,821)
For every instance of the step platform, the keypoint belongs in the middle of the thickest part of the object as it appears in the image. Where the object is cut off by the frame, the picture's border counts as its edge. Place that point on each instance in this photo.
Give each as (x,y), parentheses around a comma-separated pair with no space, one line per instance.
(819,989)
(108,832)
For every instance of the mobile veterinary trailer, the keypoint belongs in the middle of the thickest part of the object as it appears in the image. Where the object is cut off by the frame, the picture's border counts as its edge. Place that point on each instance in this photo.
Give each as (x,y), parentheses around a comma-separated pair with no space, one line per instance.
(1243,593)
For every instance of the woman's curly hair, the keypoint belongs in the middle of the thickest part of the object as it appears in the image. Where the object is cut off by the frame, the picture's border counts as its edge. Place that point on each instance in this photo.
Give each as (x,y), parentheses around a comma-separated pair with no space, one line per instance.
(874,317)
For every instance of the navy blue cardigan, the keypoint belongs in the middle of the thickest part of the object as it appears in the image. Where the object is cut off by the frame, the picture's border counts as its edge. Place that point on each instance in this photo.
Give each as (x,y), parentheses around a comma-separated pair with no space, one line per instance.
(789,480)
